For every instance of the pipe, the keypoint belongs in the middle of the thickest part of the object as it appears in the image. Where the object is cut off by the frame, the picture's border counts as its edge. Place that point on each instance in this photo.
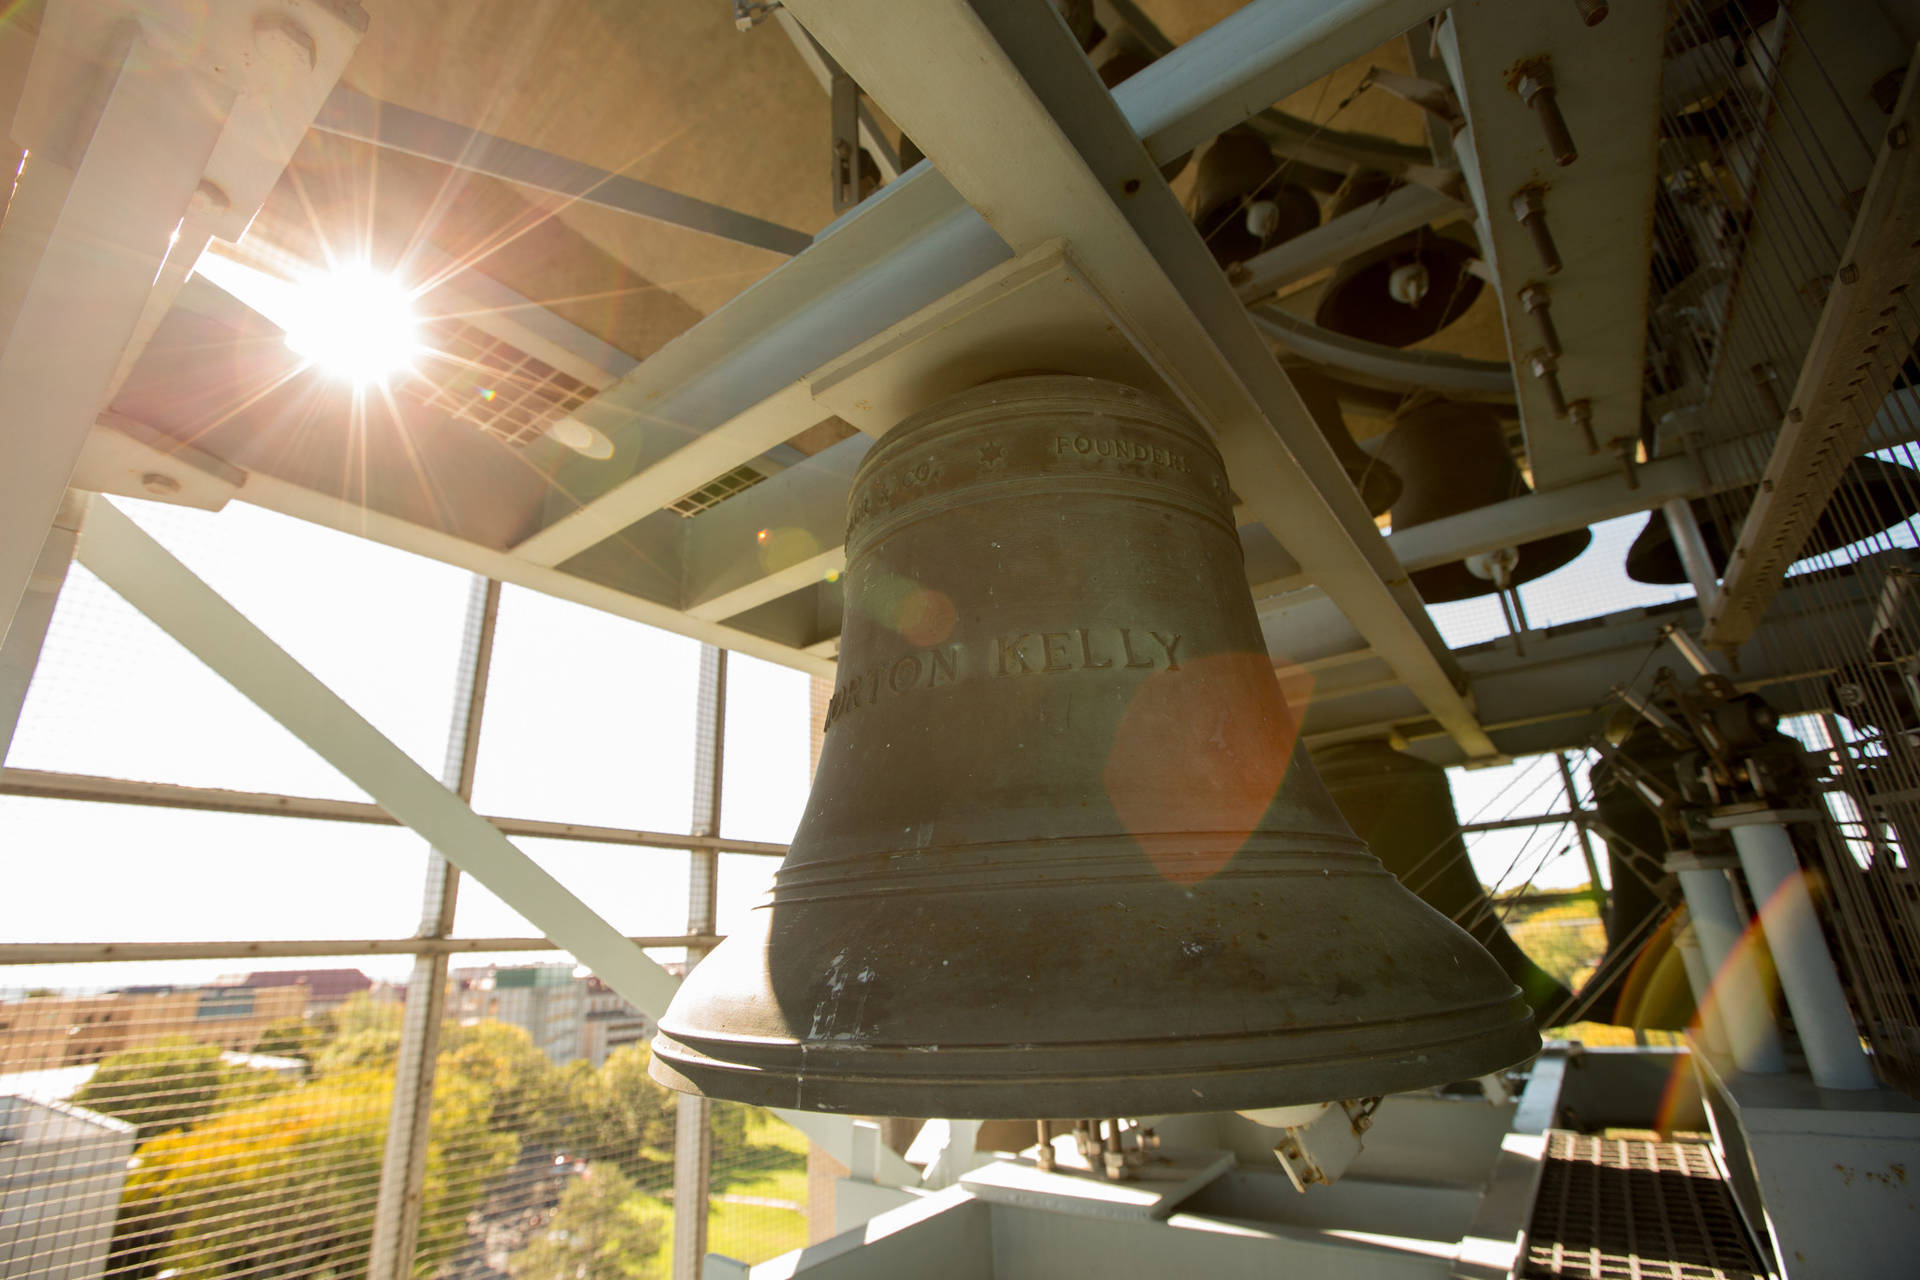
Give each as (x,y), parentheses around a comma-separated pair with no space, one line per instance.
(1736,991)
(1806,968)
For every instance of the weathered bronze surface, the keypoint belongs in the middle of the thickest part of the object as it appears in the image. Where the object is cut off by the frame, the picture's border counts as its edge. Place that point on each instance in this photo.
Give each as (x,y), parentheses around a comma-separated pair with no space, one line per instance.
(1402,807)
(1061,856)
(1451,458)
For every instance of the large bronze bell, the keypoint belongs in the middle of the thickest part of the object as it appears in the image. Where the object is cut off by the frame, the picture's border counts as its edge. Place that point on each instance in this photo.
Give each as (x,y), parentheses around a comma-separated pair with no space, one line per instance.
(1378,484)
(1400,292)
(1242,203)
(1873,495)
(1402,807)
(1452,458)
(1062,856)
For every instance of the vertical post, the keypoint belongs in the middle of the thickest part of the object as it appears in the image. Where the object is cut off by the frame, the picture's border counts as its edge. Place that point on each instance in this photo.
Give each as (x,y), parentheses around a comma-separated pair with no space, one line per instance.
(20,653)
(693,1128)
(1736,991)
(1580,829)
(1693,554)
(1807,972)
(403,1167)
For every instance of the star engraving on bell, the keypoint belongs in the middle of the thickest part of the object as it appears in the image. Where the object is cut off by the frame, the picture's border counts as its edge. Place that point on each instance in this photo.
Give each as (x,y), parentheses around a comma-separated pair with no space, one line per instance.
(992,456)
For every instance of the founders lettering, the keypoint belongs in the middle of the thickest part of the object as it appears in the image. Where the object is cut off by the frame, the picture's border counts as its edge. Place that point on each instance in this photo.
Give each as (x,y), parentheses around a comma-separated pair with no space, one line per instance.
(1121,449)
(1010,653)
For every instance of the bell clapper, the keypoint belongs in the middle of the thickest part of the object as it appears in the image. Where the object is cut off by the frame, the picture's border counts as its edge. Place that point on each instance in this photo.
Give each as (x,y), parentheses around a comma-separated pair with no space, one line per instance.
(1497,567)
(1408,284)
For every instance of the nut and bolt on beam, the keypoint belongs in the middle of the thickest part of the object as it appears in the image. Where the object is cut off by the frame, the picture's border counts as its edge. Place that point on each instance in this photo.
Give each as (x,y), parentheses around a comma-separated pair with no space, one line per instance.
(1530,207)
(1538,301)
(1547,370)
(1592,12)
(1536,89)
(1581,411)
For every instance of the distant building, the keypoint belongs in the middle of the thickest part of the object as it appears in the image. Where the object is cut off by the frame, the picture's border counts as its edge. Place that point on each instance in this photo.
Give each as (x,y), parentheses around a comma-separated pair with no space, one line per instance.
(61,1170)
(611,1022)
(568,1017)
(544,1000)
(43,1032)
(326,988)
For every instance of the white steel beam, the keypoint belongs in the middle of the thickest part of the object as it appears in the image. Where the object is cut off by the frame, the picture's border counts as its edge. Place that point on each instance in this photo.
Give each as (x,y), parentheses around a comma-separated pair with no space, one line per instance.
(123,556)
(351,114)
(1402,210)
(1599,207)
(80,247)
(148,127)
(1849,365)
(1002,101)
(20,653)
(166,591)
(731,376)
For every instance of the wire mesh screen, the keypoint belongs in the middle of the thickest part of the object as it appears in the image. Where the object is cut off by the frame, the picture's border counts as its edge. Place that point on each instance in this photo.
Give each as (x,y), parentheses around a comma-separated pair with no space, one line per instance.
(229,1129)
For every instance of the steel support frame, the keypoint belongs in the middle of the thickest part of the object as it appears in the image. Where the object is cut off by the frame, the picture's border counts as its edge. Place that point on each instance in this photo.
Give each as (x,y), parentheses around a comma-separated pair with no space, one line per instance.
(693,1113)
(44,785)
(403,1165)
(148,577)
(351,114)
(1014,116)
(732,385)
(20,652)
(79,250)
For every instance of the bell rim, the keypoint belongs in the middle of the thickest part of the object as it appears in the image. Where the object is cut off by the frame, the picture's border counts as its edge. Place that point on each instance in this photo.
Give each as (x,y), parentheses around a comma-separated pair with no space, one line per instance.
(1382,1059)
(1446,583)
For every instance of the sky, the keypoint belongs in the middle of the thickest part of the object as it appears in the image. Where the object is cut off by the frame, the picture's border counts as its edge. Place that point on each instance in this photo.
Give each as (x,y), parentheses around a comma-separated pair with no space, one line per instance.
(589,719)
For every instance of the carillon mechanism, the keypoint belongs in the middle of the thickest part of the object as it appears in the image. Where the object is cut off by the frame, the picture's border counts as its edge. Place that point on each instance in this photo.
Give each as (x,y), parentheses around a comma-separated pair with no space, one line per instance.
(1062,855)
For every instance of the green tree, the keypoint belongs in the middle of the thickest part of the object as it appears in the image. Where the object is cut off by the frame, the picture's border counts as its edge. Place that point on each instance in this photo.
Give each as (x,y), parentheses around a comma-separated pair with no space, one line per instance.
(603,1229)
(169,1085)
(286,1186)
(619,1113)
(294,1038)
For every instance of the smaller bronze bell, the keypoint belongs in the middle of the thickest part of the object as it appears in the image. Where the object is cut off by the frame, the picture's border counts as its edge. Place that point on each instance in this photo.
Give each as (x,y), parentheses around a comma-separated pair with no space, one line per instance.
(1241,203)
(1400,292)
(1873,496)
(1377,483)
(1451,458)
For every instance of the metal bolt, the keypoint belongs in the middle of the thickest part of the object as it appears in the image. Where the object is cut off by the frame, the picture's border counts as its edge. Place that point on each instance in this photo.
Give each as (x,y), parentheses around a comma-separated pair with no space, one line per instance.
(1547,370)
(1529,206)
(1592,12)
(1850,274)
(1767,379)
(1623,449)
(1538,301)
(160,483)
(1581,411)
(1536,89)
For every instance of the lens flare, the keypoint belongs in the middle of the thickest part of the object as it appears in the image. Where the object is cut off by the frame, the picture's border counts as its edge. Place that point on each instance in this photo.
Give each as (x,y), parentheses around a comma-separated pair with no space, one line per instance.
(1197,759)
(354,323)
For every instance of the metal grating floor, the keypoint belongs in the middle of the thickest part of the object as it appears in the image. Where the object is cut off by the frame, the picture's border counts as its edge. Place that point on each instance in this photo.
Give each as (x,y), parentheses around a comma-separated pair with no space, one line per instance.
(1619,1207)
